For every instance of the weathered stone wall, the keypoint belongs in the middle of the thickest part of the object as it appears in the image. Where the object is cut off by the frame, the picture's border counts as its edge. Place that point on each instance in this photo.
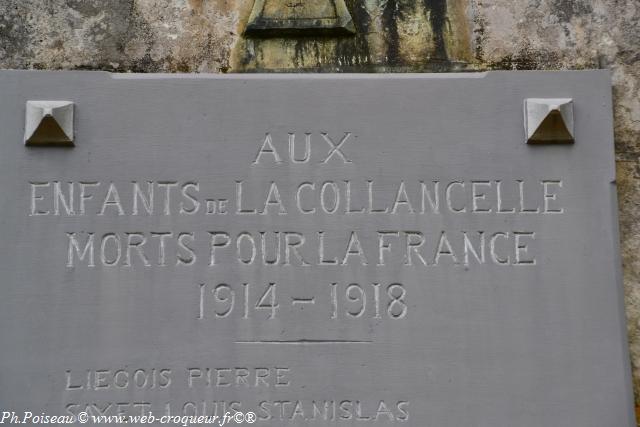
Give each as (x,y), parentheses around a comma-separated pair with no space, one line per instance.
(392,35)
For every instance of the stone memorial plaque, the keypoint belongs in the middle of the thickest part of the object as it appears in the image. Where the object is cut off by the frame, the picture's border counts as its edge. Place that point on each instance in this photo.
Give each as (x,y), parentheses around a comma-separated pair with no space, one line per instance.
(315,250)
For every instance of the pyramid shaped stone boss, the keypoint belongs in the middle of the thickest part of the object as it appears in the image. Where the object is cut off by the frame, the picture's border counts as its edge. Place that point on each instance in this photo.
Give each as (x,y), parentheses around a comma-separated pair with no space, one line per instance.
(299,17)
(48,123)
(549,120)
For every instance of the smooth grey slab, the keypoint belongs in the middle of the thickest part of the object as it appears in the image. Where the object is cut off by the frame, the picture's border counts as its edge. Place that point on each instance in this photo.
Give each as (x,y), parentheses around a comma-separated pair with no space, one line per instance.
(516,320)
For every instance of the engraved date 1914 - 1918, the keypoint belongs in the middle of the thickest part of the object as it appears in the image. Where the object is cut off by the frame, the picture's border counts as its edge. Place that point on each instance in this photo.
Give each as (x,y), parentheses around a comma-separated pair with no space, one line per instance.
(340,301)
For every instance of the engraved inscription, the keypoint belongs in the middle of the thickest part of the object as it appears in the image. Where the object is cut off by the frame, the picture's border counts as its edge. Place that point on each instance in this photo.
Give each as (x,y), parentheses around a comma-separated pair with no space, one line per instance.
(389,226)
(340,302)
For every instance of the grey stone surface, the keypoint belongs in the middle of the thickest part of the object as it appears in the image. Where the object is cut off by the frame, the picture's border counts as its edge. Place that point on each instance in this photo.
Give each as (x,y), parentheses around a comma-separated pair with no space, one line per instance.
(176,304)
